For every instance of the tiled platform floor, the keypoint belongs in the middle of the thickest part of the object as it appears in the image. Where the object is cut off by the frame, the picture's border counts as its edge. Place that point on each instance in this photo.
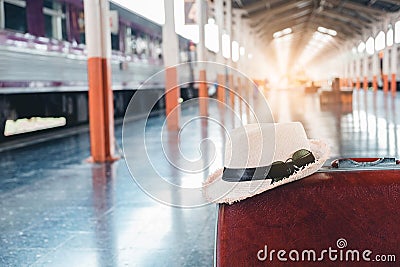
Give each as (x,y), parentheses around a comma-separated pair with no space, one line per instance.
(58,210)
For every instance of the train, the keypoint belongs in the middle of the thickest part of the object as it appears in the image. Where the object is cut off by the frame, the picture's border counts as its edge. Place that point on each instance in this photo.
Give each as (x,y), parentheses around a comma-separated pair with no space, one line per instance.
(43,67)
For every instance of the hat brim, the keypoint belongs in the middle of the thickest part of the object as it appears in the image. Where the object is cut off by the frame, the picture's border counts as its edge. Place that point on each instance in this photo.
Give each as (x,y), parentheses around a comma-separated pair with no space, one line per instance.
(219,191)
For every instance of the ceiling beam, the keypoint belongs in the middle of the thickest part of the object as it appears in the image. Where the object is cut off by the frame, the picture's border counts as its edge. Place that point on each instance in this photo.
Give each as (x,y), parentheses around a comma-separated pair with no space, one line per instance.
(339,26)
(290,18)
(309,25)
(336,21)
(280,25)
(341,29)
(393,2)
(261,21)
(312,26)
(346,18)
(368,18)
(272,17)
(359,7)
(344,32)
(295,37)
(256,6)
(280,9)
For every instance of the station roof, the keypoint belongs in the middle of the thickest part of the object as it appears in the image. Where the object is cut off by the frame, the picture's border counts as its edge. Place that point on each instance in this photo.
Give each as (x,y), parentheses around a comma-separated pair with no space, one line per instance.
(349,19)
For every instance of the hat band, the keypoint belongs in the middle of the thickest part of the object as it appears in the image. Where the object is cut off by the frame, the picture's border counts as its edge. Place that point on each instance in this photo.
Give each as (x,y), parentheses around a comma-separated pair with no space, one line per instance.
(245,174)
(276,171)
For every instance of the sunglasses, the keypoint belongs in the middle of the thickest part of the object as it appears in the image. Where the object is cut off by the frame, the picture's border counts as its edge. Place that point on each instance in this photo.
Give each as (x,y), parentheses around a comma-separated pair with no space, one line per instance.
(276,171)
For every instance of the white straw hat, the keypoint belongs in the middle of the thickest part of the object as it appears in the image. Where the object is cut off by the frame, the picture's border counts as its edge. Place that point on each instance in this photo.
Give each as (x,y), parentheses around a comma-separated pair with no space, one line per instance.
(259,145)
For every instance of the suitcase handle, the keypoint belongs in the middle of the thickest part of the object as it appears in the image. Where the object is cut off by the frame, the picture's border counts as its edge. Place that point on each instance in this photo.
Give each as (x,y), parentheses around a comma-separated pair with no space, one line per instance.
(364,162)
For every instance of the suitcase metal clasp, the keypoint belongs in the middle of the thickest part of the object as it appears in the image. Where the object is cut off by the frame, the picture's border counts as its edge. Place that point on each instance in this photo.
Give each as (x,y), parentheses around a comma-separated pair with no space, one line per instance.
(350,163)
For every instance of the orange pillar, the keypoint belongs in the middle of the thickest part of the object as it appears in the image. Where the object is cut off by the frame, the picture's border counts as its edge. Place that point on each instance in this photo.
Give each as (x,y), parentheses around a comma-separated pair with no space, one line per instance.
(201,12)
(221,89)
(239,90)
(336,85)
(170,57)
(172,94)
(231,91)
(393,85)
(385,83)
(101,109)
(365,83)
(203,94)
(375,83)
(393,69)
(358,83)
(248,98)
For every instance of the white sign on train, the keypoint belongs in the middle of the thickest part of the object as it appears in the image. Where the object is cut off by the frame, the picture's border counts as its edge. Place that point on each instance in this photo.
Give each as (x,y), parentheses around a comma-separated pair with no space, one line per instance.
(114,21)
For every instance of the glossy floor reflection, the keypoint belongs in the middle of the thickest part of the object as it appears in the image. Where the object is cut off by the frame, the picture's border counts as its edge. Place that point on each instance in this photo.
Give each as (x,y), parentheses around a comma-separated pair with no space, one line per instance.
(369,127)
(58,210)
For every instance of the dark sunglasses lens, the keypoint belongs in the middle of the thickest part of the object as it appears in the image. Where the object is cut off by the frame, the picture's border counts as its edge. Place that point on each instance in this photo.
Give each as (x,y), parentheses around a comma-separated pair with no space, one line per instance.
(280,170)
(303,157)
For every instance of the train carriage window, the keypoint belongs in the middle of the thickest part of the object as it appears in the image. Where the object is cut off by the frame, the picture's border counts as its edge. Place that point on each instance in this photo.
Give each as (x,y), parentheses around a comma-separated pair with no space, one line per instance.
(55,20)
(48,26)
(15,17)
(158,49)
(128,41)
(48,3)
(64,29)
(134,43)
(151,47)
(114,41)
(142,46)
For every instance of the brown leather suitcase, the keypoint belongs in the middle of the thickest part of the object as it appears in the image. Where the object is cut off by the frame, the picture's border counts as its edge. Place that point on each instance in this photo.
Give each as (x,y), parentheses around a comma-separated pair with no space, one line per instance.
(350,212)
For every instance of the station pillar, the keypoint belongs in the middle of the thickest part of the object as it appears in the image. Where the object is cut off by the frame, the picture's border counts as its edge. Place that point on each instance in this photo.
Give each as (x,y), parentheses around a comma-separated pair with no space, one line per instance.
(351,72)
(231,88)
(375,82)
(385,83)
(375,71)
(203,93)
(221,89)
(393,69)
(365,70)
(384,55)
(170,56)
(365,83)
(201,56)
(220,20)
(101,108)
(358,72)
(393,85)
(342,79)
(231,91)
(239,92)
